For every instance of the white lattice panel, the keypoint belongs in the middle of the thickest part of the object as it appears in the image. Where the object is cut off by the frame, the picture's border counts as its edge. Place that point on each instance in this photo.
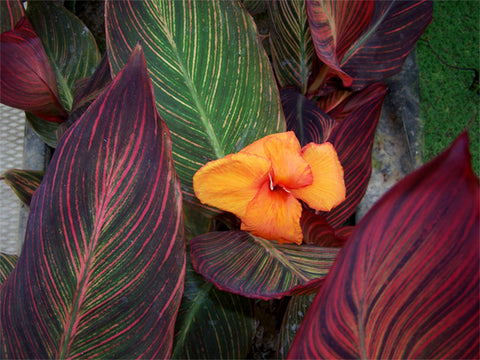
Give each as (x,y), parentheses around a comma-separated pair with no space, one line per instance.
(12,128)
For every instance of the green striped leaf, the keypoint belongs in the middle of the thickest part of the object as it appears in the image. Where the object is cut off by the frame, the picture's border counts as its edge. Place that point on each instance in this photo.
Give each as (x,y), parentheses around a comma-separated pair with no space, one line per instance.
(11,11)
(46,130)
(291,43)
(70,46)
(212,324)
(23,182)
(241,263)
(7,264)
(214,86)
(296,310)
(407,283)
(102,268)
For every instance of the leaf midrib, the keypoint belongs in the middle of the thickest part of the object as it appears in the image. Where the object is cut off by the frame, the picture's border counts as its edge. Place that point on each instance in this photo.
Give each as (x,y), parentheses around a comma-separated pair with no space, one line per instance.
(219,153)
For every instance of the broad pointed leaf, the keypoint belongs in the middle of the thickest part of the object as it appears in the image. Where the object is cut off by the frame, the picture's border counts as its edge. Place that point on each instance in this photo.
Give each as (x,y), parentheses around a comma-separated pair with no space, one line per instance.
(353,140)
(305,118)
(7,264)
(352,136)
(70,46)
(212,324)
(102,268)
(290,43)
(28,81)
(23,182)
(364,46)
(213,82)
(335,25)
(317,231)
(406,285)
(11,11)
(241,263)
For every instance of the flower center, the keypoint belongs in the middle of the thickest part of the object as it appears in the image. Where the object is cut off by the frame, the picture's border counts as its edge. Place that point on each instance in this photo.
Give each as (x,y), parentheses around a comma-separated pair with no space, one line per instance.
(276,187)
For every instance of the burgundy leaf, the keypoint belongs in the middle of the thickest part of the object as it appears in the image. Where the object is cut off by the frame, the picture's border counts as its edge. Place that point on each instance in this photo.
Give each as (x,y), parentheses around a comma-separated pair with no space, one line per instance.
(102,269)
(317,231)
(305,118)
(406,284)
(28,81)
(335,25)
(364,42)
(241,263)
(381,50)
(353,140)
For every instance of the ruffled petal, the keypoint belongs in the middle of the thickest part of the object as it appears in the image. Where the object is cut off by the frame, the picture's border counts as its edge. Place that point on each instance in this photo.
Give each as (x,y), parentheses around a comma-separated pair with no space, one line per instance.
(258,146)
(274,215)
(328,187)
(290,170)
(231,182)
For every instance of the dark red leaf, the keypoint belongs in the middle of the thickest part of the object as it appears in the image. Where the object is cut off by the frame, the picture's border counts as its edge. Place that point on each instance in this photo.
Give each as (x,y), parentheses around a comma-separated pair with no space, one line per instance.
(406,284)
(335,25)
(353,140)
(243,264)
(28,81)
(352,136)
(382,48)
(102,269)
(317,231)
(305,118)
(364,42)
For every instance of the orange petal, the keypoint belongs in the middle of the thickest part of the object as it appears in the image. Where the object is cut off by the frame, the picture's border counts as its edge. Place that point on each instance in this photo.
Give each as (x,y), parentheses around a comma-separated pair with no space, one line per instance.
(231,182)
(328,187)
(290,170)
(274,215)
(258,147)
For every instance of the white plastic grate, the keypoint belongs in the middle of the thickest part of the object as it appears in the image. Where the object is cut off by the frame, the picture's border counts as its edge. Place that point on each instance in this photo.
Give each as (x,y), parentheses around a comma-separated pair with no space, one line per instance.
(12,129)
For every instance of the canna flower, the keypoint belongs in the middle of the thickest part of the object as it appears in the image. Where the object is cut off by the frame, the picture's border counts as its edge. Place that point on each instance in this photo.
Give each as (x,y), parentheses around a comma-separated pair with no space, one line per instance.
(263,183)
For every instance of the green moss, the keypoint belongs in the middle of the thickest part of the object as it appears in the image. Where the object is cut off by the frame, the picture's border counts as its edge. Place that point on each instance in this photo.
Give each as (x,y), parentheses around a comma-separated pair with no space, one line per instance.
(448,106)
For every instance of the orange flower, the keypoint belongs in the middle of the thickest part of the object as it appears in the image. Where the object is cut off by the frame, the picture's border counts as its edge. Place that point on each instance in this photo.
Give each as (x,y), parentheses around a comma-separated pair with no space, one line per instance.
(263,182)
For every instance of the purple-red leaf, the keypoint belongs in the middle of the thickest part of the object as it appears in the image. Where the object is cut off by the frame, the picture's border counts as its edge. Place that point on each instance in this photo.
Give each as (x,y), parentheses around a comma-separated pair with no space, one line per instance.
(305,118)
(241,263)
(406,284)
(28,81)
(102,268)
(352,136)
(334,26)
(364,42)
(353,140)
(317,231)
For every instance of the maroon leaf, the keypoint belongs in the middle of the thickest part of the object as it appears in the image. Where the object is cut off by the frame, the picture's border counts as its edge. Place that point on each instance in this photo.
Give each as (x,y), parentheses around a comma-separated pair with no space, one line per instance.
(11,11)
(393,32)
(406,285)
(353,140)
(241,263)
(305,118)
(334,26)
(28,81)
(317,231)
(102,269)
(352,136)
(361,44)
